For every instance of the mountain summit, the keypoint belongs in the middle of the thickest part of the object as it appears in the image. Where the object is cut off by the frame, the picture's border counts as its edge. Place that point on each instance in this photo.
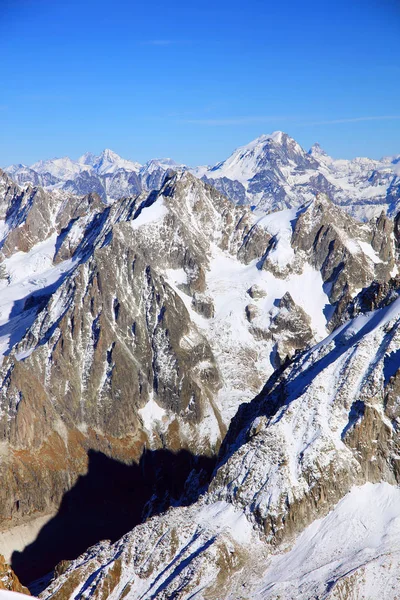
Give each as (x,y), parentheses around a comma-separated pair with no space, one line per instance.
(316,150)
(110,162)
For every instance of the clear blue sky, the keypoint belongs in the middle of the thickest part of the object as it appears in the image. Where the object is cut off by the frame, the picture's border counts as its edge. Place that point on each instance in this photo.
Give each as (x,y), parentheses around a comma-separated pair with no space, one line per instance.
(195,79)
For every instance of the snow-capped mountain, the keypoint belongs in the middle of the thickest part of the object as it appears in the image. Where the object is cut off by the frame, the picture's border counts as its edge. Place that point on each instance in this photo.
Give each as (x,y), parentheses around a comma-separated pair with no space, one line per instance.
(135,334)
(109,175)
(109,162)
(274,172)
(270,173)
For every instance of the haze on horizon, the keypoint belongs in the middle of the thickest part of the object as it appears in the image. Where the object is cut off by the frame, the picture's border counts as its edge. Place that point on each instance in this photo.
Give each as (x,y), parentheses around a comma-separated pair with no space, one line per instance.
(194,82)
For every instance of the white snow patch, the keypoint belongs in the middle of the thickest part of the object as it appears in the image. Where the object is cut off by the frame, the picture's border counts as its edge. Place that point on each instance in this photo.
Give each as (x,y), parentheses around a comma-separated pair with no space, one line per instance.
(30,272)
(363,525)
(152,413)
(151,214)
(352,246)
(24,354)
(177,276)
(229,331)
(279,225)
(370,252)
(229,281)
(223,517)
(34,262)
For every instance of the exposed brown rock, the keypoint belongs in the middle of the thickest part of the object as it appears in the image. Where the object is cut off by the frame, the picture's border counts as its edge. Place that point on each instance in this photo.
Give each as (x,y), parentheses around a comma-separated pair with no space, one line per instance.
(8,579)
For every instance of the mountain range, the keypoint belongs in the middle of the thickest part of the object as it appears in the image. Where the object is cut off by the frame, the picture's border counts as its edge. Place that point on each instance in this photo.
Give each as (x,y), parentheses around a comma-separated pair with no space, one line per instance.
(200,377)
(271,173)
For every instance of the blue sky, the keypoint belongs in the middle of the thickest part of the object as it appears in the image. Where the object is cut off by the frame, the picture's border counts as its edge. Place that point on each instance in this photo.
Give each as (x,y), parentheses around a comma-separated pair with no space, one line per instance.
(195,79)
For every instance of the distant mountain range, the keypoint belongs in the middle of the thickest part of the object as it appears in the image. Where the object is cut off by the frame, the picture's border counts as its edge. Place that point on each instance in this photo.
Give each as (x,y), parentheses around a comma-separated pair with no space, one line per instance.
(270,173)
(109,175)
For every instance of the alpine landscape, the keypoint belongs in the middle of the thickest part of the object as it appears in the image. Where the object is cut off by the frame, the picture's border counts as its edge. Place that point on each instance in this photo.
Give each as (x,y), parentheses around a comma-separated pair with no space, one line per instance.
(199,365)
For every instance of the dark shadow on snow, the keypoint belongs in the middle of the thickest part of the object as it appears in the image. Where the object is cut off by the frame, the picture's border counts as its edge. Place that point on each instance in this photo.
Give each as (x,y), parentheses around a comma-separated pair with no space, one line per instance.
(391,365)
(25,310)
(109,501)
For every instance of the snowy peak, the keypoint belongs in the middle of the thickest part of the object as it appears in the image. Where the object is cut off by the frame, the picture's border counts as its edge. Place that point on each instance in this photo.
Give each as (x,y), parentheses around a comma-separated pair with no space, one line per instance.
(317,151)
(109,162)
(65,168)
(14,168)
(278,137)
(273,172)
(161,163)
(88,159)
(109,156)
(265,153)
(61,168)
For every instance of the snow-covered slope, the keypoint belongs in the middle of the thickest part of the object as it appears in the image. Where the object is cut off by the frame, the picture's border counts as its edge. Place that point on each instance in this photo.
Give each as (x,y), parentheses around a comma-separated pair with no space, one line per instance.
(304,502)
(354,552)
(211,551)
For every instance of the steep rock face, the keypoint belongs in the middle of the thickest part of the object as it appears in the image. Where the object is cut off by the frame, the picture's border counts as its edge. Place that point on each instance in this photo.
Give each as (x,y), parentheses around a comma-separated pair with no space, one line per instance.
(32,215)
(348,253)
(231,189)
(291,328)
(106,332)
(327,423)
(376,295)
(9,581)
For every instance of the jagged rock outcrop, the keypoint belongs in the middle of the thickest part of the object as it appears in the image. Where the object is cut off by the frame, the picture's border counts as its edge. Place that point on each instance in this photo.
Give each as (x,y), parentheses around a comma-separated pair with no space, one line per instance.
(376,295)
(349,254)
(32,215)
(290,329)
